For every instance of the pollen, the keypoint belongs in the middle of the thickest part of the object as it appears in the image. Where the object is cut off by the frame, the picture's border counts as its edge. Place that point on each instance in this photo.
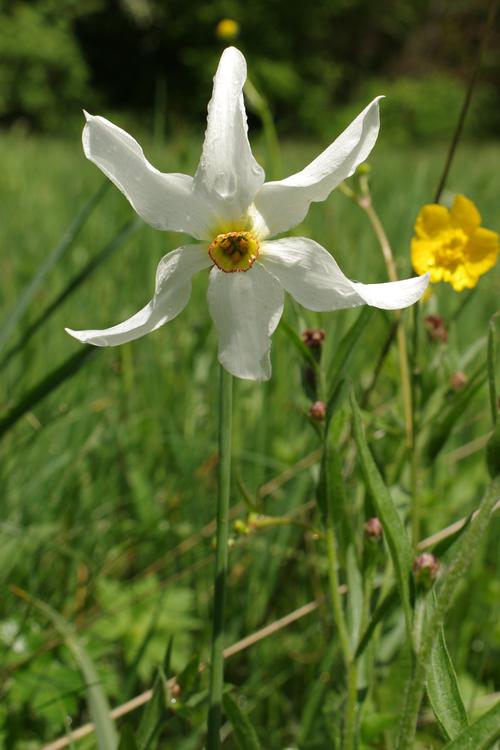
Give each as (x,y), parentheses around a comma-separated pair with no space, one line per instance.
(234,251)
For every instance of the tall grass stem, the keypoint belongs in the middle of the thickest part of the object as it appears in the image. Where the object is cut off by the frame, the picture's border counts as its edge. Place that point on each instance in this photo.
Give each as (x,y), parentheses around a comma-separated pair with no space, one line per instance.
(467,100)
(338,612)
(406,376)
(222,521)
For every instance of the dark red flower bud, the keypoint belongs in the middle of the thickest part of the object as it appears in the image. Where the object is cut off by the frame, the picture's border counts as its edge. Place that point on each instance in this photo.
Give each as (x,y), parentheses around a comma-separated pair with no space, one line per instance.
(458,380)
(313,337)
(373,529)
(317,411)
(436,328)
(425,569)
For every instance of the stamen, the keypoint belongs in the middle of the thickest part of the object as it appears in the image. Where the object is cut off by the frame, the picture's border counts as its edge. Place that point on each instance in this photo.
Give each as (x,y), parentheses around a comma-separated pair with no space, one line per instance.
(234,251)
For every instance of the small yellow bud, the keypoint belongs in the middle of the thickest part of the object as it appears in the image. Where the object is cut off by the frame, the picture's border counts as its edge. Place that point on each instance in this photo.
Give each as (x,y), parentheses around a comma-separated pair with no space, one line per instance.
(227,29)
(240,527)
(363,168)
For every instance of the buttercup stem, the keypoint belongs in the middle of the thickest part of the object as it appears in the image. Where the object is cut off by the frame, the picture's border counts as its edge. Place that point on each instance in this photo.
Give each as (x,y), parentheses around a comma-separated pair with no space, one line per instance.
(406,378)
(222,521)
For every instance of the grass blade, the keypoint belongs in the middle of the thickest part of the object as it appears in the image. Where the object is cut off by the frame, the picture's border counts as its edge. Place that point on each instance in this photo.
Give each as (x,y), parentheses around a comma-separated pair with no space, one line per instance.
(295,339)
(127,739)
(153,715)
(49,383)
(394,530)
(385,607)
(244,732)
(345,349)
(445,423)
(118,240)
(97,701)
(48,264)
(492,360)
(481,734)
(443,691)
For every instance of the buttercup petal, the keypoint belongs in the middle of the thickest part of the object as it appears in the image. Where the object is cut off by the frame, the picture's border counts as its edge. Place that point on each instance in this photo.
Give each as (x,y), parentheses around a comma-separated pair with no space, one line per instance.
(432,219)
(285,203)
(482,251)
(309,273)
(165,201)
(173,289)
(465,215)
(423,258)
(246,308)
(228,175)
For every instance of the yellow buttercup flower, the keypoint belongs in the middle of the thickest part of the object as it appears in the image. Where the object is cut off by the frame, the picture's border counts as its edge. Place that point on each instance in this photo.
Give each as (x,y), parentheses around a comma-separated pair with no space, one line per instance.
(451,245)
(227,30)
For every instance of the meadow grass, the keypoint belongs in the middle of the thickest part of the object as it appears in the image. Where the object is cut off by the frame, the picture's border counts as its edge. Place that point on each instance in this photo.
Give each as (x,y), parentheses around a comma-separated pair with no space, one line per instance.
(107,483)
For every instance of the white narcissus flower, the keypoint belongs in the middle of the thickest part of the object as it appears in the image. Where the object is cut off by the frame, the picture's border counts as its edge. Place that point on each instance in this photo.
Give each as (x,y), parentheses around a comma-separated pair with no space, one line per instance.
(233,212)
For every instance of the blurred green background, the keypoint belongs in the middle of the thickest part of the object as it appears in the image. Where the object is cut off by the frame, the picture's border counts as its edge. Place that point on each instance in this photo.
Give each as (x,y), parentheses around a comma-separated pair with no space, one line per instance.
(154,59)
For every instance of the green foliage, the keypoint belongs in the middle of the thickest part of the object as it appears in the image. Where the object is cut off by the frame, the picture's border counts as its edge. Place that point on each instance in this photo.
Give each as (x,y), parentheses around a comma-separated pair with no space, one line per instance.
(246,736)
(108,484)
(156,59)
(481,735)
(444,692)
(43,74)
(418,110)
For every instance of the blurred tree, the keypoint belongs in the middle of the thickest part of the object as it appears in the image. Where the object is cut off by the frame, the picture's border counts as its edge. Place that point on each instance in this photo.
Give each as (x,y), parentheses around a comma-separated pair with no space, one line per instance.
(308,59)
(43,74)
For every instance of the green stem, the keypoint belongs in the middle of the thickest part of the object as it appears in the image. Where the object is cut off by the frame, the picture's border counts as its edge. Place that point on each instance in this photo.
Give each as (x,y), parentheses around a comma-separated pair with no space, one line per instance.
(468,546)
(406,376)
(333,578)
(222,520)
(339,615)
(468,96)
(351,706)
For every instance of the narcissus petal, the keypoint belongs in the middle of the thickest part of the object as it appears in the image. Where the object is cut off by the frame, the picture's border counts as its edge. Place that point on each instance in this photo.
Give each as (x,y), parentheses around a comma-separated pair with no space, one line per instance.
(166,201)
(173,289)
(228,175)
(309,273)
(285,203)
(246,308)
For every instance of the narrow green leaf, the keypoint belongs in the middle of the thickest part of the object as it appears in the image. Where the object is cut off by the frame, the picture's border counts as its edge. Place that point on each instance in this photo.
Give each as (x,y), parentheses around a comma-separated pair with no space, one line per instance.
(127,739)
(443,425)
(492,361)
(50,261)
(118,240)
(97,701)
(385,607)
(481,734)
(443,690)
(354,597)
(153,715)
(345,349)
(244,732)
(167,659)
(295,339)
(316,695)
(394,530)
(188,678)
(49,383)
(331,489)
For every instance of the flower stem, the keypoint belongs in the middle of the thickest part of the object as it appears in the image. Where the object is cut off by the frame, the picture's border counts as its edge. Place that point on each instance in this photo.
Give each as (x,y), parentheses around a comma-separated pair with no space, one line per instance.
(222,521)
(338,611)
(468,96)
(406,377)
